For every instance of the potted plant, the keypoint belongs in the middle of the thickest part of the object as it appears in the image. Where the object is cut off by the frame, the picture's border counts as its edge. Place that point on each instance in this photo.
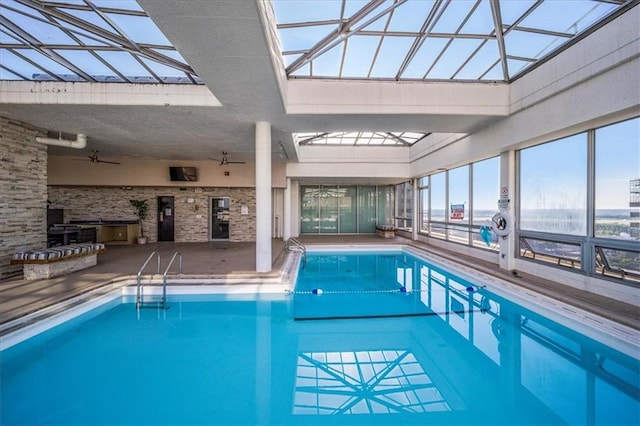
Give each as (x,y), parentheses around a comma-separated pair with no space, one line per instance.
(142,209)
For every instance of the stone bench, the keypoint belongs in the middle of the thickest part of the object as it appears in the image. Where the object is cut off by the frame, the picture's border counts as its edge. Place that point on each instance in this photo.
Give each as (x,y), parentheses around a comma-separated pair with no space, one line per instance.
(55,261)
(386,231)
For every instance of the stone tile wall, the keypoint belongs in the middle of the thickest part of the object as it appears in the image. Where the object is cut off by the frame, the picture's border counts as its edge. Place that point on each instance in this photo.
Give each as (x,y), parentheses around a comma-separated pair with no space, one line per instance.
(23,192)
(191,221)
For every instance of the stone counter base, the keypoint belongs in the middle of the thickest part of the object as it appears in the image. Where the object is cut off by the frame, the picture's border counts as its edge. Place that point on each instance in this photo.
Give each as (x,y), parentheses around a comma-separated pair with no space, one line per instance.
(39,268)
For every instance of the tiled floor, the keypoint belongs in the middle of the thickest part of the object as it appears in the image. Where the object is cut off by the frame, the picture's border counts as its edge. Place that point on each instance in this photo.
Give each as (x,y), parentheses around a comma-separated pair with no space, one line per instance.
(223,259)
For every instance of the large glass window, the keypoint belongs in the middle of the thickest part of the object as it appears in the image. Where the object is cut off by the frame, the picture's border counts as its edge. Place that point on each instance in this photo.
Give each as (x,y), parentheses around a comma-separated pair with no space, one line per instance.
(617,203)
(367,209)
(404,215)
(386,206)
(347,202)
(309,210)
(553,186)
(345,209)
(438,190)
(328,209)
(438,197)
(459,204)
(423,216)
(486,190)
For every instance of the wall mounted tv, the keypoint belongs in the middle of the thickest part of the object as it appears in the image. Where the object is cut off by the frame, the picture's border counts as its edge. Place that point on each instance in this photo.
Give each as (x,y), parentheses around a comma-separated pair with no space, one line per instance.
(182,174)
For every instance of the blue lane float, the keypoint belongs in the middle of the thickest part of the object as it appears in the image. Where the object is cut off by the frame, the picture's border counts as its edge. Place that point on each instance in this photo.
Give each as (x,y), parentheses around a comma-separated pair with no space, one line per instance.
(317,291)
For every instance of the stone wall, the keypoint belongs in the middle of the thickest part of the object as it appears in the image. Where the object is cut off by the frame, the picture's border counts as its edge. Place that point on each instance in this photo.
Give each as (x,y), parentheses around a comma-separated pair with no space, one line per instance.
(23,192)
(191,220)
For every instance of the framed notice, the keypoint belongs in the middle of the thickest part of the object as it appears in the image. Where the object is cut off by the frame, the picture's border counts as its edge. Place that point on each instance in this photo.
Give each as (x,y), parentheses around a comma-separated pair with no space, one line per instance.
(457,212)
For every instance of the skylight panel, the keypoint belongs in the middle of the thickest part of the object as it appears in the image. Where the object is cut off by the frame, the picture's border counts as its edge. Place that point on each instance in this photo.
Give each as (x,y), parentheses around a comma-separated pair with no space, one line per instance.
(511,11)
(140,29)
(480,21)
(392,53)
(495,73)
(359,138)
(88,63)
(453,16)
(8,75)
(19,65)
(425,57)
(313,10)
(528,45)
(163,71)
(39,29)
(516,66)
(125,63)
(49,64)
(457,19)
(67,38)
(453,58)
(7,39)
(410,17)
(88,16)
(329,63)
(118,4)
(303,38)
(359,55)
(480,62)
(570,16)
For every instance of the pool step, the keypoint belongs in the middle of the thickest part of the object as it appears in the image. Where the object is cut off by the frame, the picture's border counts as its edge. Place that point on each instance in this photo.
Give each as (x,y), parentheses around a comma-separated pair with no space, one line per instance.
(151,302)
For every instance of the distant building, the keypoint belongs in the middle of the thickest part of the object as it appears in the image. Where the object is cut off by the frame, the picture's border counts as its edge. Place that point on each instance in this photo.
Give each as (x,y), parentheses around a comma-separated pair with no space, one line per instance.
(634,201)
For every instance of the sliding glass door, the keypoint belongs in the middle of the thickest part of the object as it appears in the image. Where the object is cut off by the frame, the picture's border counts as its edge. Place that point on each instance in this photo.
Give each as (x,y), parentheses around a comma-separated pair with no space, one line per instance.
(344,209)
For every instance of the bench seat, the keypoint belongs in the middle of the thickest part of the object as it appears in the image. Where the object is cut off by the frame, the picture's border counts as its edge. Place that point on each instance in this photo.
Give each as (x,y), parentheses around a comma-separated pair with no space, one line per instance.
(386,231)
(56,261)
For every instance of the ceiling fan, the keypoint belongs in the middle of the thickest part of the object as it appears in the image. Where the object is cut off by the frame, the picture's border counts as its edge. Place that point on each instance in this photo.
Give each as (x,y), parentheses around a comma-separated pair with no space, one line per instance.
(225,160)
(94,158)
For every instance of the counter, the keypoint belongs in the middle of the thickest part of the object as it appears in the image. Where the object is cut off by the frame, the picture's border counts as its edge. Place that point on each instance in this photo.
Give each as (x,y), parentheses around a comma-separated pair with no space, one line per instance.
(111,231)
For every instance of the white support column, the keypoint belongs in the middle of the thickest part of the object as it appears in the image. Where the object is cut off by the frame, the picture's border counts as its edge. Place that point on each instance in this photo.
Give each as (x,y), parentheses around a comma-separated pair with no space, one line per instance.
(263,196)
(286,220)
(507,193)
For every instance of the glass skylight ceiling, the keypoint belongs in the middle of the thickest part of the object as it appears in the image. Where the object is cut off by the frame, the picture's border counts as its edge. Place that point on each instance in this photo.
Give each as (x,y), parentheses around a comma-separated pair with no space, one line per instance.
(475,40)
(359,138)
(86,41)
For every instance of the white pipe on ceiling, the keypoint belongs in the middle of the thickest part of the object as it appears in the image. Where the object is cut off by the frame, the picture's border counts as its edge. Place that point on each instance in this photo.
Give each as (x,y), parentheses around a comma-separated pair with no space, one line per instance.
(79,143)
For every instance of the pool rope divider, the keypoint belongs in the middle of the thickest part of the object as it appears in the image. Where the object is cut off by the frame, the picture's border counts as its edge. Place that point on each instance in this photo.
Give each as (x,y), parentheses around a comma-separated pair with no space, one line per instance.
(319,291)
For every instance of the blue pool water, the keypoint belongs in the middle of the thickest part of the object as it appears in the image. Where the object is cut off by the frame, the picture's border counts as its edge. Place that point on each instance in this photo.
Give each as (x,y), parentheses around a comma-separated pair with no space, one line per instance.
(463,357)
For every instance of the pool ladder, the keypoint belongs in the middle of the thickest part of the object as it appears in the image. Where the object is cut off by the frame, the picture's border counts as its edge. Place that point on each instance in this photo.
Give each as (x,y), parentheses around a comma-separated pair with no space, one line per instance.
(294,245)
(162,303)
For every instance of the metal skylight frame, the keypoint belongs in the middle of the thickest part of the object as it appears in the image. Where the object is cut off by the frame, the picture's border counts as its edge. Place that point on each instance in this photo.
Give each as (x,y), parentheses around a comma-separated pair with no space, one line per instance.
(491,40)
(359,138)
(86,41)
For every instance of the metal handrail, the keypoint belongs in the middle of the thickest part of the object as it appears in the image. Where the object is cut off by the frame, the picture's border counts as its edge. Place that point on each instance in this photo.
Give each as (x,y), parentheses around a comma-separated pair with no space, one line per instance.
(293,244)
(139,285)
(164,277)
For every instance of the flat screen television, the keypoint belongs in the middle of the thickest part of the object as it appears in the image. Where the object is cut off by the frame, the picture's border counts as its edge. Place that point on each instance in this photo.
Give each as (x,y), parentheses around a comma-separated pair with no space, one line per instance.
(182,174)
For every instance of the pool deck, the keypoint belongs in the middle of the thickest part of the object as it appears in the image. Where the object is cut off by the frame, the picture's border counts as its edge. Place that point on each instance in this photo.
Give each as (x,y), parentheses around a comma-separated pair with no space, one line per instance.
(19,297)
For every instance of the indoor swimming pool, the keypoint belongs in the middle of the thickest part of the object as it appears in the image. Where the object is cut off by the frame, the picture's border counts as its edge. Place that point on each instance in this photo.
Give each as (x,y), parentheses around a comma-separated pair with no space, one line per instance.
(390,339)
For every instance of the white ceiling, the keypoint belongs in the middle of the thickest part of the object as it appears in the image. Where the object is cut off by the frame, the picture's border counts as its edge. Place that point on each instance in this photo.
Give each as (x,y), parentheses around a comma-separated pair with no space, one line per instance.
(225,43)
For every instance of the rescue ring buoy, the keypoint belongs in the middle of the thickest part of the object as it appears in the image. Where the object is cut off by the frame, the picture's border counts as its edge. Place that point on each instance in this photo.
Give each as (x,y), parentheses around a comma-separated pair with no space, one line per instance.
(501,224)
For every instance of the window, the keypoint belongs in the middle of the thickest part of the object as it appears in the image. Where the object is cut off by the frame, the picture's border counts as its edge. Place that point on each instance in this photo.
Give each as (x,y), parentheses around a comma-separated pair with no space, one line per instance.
(486,190)
(485,193)
(438,205)
(404,214)
(553,186)
(423,217)
(457,203)
(617,167)
(458,209)
(344,209)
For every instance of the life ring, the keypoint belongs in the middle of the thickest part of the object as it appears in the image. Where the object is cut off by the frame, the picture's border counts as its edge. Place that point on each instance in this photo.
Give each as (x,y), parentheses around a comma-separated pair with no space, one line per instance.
(501,224)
